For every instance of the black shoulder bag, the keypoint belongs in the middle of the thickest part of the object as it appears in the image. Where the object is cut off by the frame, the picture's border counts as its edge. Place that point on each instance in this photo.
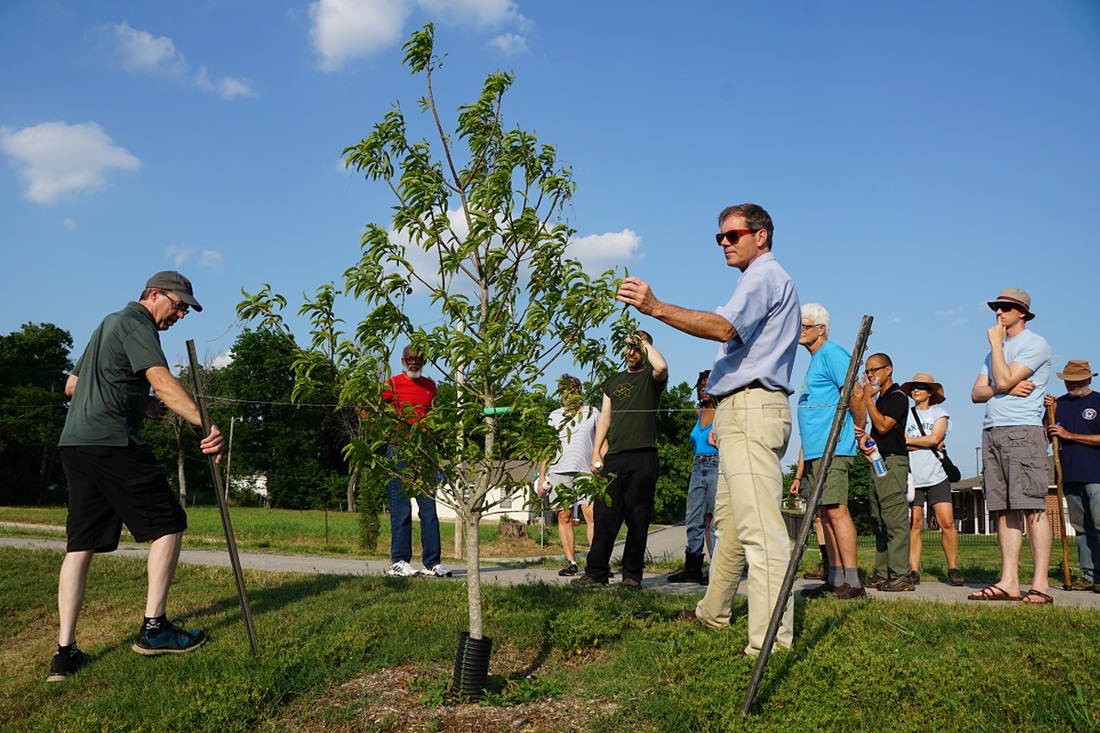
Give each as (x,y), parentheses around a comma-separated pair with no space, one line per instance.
(954,475)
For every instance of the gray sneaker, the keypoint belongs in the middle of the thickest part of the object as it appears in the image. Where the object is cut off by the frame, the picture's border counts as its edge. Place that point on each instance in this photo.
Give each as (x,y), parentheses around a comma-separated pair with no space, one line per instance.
(569,569)
(401,569)
(436,571)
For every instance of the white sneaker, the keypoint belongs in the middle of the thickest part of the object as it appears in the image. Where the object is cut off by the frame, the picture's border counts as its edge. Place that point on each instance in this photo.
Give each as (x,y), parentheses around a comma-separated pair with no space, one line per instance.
(438,571)
(401,569)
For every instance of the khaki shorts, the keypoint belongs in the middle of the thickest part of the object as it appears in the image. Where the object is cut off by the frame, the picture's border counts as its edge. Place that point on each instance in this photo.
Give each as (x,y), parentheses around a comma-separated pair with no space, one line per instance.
(835,490)
(1015,461)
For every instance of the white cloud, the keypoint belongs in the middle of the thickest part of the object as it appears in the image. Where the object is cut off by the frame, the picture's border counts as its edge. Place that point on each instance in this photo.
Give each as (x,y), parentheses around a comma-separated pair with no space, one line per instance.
(602,251)
(68,224)
(961,321)
(222,360)
(225,87)
(344,29)
(56,158)
(178,255)
(509,43)
(475,13)
(211,259)
(140,52)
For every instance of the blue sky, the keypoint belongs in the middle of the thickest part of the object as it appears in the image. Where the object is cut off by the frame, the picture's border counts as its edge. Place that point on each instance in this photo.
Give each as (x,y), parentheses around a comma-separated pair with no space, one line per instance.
(916,157)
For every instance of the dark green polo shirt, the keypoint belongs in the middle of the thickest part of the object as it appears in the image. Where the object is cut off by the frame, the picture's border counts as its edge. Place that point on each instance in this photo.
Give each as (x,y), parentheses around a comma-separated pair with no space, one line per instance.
(112,392)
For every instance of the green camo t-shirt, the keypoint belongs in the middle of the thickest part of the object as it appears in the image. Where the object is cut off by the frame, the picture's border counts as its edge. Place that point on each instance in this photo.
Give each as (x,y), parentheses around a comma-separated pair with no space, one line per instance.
(634,398)
(112,392)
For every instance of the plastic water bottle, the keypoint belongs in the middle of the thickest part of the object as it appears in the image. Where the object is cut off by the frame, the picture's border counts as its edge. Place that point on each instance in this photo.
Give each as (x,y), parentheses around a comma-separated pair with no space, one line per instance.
(876,459)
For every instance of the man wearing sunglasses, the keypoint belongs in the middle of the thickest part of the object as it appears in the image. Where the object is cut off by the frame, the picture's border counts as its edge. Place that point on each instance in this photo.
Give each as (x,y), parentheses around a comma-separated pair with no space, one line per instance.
(113,476)
(1014,445)
(758,332)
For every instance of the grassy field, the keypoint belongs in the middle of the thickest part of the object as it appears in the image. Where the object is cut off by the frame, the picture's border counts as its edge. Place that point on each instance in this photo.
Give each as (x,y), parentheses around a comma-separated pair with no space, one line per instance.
(376,654)
(302,532)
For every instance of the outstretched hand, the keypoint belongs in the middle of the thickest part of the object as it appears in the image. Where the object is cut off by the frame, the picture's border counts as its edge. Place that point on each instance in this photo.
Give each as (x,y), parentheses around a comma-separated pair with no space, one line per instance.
(637,293)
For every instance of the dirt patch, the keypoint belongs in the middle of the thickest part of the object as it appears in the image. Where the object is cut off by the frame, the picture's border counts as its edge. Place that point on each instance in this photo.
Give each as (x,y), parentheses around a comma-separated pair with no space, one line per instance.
(409,699)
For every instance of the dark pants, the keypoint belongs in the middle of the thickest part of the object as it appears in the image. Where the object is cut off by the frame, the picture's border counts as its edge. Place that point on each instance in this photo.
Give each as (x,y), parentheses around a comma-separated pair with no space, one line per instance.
(630,500)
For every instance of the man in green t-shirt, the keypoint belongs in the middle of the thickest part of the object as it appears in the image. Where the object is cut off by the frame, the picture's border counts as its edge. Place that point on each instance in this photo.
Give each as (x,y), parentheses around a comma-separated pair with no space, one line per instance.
(113,476)
(628,422)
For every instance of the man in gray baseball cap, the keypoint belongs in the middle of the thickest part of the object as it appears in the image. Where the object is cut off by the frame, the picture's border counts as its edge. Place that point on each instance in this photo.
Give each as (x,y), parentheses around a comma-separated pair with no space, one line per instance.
(178,284)
(113,476)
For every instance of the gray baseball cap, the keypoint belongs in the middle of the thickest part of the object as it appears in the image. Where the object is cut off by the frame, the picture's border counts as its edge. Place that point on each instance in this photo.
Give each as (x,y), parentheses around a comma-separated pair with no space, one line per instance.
(178,284)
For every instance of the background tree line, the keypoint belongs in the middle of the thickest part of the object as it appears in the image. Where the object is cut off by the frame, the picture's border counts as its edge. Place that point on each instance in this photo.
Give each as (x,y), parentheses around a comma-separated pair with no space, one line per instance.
(297,448)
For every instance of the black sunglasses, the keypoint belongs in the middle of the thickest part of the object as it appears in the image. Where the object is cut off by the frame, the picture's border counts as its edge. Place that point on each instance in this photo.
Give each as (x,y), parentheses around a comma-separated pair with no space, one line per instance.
(920,385)
(731,236)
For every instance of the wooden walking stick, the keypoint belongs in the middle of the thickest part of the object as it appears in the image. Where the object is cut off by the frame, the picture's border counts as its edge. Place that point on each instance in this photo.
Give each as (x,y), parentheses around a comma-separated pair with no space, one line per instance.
(1061,512)
(223,503)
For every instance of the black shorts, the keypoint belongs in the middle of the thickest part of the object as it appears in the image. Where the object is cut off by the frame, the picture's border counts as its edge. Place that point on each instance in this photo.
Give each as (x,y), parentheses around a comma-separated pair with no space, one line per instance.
(110,486)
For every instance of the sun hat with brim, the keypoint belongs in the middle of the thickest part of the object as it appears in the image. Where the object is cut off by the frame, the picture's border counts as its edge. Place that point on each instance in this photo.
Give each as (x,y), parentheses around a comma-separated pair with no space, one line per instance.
(922,378)
(1014,297)
(1077,370)
(178,284)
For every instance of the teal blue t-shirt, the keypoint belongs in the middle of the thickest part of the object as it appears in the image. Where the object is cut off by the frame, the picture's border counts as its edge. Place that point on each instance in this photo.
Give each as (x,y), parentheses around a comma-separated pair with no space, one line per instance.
(818,400)
(112,392)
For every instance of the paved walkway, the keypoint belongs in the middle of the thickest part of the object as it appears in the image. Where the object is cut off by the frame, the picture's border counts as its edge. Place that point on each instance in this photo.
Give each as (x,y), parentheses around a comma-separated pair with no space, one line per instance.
(664,541)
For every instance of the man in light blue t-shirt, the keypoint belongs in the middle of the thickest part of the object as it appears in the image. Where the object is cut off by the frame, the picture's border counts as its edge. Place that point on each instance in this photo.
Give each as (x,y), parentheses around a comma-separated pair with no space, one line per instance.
(1014,446)
(817,405)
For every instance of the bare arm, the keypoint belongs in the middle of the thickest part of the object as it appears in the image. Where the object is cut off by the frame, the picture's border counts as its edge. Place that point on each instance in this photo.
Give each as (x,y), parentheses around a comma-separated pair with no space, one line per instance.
(933,439)
(602,426)
(881,423)
(857,406)
(796,483)
(1057,431)
(70,385)
(656,362)
(702,324)
(176,399)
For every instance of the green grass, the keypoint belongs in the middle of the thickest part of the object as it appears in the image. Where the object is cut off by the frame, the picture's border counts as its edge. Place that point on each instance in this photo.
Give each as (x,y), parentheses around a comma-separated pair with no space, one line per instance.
(619,661)
(296,532)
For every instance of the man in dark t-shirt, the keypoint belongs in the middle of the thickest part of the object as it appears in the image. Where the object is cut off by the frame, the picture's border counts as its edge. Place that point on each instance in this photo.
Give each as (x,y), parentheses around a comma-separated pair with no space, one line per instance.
(887,408)
(113,476)
(628,423)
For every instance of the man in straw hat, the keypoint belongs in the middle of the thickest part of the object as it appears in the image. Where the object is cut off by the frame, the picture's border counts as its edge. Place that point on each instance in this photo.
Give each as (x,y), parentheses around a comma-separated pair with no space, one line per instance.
(1014,445)
(1077,427)
(113,476)
(930,481)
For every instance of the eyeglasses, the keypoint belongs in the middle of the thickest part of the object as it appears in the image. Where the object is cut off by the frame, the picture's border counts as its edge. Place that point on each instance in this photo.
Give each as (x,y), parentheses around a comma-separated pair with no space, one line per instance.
(1005,308)
(731,236)
(871,370)
(920,386)
(808,326)
(181,307)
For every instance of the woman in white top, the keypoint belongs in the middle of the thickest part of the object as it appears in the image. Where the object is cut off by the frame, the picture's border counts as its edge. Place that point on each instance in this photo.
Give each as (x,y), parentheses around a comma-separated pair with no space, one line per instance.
(925,440)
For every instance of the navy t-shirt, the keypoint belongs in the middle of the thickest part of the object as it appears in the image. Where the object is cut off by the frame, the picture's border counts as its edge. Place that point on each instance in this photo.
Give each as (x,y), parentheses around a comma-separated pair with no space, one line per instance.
(1080,463)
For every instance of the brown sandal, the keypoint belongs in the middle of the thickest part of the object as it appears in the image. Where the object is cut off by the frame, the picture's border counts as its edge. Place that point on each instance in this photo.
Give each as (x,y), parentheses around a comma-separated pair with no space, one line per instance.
(1037,598)
(992,593)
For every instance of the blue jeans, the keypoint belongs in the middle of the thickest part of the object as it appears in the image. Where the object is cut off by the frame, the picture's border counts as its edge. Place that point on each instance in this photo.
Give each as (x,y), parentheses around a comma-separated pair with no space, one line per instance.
(1083,502)
(401,522)
(702,489)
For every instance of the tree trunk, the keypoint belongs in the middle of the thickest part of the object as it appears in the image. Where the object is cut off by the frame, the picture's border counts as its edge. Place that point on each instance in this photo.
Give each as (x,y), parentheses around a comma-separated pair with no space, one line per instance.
(353,484)
(470,522)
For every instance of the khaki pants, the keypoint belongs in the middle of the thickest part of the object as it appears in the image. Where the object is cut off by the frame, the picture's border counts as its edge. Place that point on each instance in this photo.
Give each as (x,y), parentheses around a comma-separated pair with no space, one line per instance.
(752,428)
